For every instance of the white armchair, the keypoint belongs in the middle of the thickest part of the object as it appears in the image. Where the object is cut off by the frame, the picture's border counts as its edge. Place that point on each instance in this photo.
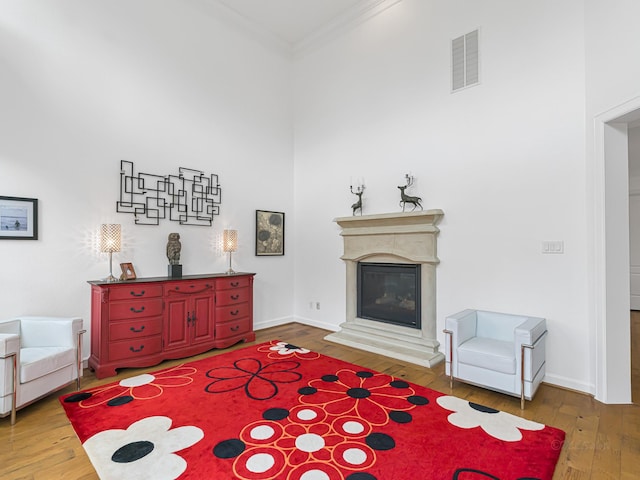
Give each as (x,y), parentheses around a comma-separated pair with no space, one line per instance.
(38,355)
(498,351)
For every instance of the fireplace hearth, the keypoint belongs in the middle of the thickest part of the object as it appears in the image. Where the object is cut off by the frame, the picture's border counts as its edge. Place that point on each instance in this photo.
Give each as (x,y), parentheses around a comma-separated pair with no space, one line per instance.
(406,240)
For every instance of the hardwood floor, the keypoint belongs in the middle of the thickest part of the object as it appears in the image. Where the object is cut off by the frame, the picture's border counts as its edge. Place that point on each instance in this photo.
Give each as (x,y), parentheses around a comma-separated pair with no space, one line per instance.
(603,441)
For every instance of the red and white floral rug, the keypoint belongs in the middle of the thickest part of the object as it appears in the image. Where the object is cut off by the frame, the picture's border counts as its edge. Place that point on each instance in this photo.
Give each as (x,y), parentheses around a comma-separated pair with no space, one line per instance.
(277,411)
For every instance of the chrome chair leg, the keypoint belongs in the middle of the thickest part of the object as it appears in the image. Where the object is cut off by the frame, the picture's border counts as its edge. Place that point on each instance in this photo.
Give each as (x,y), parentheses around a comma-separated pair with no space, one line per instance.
(522,348)
(449,335)
(14,394)
(79,359)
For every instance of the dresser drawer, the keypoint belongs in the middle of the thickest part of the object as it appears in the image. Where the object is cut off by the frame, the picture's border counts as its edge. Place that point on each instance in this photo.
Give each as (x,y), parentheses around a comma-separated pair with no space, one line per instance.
(130,292)
(151,307)
(144,327)
(232,328)
(135,348)
(232,312)
(231,282)
(229,297)
(188,288)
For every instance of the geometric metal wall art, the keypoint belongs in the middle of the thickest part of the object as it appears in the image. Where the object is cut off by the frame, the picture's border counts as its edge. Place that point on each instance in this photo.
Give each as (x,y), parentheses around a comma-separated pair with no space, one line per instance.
(191,197)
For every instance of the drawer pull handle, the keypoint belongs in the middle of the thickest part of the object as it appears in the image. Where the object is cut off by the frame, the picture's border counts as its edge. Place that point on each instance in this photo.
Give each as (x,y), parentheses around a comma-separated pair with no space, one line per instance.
(134,294)
(236,328)
(137,311)
(235,297)
(235,284)
(235,312)
(136,350)
(135,330)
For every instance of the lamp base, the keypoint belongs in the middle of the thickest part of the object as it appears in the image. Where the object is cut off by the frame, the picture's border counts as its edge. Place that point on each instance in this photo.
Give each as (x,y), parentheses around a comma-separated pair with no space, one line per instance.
(175,271)
(230,272)
(110,279)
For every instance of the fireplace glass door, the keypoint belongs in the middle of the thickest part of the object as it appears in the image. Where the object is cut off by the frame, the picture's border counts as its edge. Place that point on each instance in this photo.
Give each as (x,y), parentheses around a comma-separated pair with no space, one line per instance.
(389,293)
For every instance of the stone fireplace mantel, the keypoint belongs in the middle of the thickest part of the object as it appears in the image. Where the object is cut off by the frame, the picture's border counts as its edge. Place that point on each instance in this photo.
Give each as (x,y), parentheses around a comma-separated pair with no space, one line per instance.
(409,238)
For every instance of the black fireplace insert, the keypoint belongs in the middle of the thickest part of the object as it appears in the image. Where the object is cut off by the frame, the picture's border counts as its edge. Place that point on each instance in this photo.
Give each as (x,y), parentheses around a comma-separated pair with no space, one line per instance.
(390,293)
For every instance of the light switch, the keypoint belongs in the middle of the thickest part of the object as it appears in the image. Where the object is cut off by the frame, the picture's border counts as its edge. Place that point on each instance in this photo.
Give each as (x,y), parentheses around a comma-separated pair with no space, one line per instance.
(555,246)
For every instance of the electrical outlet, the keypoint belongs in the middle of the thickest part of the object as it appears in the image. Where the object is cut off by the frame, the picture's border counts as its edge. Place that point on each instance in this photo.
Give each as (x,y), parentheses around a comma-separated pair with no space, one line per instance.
(311,305)
(317,305)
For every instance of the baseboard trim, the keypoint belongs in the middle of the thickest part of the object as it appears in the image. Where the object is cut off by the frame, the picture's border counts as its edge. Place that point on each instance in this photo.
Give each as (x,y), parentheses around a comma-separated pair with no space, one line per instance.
(569,384)
(316,323)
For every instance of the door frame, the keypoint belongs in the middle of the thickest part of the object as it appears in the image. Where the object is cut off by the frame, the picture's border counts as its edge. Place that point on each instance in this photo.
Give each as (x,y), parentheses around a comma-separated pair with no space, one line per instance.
(609,272)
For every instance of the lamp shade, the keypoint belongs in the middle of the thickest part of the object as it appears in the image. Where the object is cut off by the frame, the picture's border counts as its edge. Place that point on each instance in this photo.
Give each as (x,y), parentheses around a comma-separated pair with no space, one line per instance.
(230,240)
(110,238)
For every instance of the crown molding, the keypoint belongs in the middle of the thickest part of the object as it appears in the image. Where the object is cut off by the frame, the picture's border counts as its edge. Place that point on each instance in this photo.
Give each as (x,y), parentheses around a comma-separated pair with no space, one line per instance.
(248,27)
(358,14)
(348,20)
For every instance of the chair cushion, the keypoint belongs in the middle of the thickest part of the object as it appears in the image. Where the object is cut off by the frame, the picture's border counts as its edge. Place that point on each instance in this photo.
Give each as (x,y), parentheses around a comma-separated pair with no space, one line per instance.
(36,362)
(488,353)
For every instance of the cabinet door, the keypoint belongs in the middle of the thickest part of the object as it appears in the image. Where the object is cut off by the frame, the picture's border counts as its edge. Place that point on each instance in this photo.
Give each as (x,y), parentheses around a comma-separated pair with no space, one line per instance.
(202,319)
(177,323)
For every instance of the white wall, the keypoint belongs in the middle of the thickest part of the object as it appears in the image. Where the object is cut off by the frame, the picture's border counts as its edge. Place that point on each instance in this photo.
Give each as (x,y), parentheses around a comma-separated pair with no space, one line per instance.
(86,83)
(504,160)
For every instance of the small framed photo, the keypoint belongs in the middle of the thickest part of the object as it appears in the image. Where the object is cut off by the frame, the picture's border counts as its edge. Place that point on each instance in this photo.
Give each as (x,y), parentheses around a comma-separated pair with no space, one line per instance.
(269,233)
(18,218)
(128,273)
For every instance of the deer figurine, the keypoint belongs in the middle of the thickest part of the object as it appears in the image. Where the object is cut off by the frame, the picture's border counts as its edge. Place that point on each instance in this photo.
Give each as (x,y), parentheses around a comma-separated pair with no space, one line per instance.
(404,198)
(358,205)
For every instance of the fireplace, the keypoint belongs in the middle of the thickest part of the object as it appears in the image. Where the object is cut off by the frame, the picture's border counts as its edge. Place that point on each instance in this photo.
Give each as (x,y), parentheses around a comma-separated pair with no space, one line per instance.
(390,293)
(390,241)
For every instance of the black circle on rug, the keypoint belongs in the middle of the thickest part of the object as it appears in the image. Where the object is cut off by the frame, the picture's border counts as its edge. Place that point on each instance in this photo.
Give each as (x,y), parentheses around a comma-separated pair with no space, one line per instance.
(307,390)
(123,400)
(399,384)
(358,393)
(418,400)
(132,451)
(400,417)
(229,448)
(361,476)
(380,441)
(364,374)
(275,414)
(77,397)
(330,378)
(483,408)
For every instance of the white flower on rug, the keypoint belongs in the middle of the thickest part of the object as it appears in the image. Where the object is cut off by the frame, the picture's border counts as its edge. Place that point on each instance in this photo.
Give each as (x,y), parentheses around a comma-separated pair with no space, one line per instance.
(284,348)
(145,450)
(276,349)
(500,425)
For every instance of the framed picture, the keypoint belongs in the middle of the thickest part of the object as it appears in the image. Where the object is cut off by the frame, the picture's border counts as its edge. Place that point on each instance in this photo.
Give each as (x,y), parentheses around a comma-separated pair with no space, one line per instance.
(128,273)
(269,233)
(18,218)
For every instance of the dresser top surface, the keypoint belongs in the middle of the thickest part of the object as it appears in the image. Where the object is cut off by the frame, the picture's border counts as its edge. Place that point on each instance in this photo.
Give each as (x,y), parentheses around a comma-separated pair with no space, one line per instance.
(104,283)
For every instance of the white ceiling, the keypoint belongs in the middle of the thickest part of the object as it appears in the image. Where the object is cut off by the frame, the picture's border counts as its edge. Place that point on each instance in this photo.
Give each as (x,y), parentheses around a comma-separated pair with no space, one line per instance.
(293,21)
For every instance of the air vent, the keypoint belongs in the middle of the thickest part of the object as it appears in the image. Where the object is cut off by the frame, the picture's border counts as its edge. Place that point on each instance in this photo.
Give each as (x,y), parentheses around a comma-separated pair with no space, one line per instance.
(464,61)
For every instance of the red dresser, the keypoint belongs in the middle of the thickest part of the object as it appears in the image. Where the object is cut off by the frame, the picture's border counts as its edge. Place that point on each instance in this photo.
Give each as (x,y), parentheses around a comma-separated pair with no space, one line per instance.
(139,323)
